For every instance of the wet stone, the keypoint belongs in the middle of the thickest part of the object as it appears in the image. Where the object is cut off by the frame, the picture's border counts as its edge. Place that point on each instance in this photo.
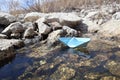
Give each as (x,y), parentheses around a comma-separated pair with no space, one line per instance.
(113,67)
(92,76)
(63,73)
(117,53)
(110,78)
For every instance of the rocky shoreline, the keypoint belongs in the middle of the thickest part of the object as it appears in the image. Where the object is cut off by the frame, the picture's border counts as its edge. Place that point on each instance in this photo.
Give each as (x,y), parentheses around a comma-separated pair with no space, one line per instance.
(99,24)
(35,27)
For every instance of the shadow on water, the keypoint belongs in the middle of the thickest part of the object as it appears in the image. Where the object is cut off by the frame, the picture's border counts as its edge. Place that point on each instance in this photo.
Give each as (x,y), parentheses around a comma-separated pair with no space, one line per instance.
(13,67)
(6,61)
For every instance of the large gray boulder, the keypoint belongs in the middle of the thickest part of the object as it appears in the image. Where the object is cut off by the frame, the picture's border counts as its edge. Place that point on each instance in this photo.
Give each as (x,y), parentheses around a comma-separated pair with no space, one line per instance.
(53,37)
(13,28)
(110,29)
(6,18)
(70,19)
(27,25)
(7,47)
(65,19)
(33,16)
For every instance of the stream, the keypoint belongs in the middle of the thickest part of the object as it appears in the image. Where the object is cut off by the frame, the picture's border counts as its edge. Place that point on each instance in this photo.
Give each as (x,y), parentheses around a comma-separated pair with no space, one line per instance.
(100,60)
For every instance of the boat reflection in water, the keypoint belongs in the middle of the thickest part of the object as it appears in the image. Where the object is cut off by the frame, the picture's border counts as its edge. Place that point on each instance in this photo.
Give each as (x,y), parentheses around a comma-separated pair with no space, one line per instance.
(76,45)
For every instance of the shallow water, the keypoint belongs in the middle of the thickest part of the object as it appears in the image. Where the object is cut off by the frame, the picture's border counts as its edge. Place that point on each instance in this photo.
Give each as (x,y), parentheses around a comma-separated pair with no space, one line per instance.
(98,61)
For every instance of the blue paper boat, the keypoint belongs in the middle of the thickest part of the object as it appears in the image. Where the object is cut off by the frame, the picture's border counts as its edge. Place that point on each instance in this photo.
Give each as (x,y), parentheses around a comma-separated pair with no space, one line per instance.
(73,42)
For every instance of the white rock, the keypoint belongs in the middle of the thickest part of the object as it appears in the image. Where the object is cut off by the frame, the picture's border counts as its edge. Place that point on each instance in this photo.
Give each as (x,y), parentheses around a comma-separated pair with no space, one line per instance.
(6,18)
(91,26)
(116,16)
(13,28)
(53,37)
(29,33)
(43,28)
(70,31)
(33,16)
(2,36)
(110,28)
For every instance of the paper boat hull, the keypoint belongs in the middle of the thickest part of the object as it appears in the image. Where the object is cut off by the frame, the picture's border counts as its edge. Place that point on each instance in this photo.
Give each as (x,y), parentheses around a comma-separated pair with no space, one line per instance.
(74,41)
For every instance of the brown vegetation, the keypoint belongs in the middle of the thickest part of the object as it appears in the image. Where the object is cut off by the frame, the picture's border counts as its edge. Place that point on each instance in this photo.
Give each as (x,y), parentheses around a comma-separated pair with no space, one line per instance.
(54,5)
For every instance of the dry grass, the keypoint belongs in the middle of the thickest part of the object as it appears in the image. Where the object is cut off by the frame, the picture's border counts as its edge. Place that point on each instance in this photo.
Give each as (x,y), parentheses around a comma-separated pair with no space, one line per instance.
(59,5)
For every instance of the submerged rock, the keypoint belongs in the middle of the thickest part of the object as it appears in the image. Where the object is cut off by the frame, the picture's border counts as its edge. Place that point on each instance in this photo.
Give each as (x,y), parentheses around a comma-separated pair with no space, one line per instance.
(63,73)
(92,76)
(113,67)
(109,78)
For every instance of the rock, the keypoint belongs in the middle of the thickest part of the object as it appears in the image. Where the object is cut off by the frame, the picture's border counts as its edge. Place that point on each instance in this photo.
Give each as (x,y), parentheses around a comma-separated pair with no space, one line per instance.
(43,28)
(92,76)
(29,33)
(63,73)
(52,17)
(6,18)
(55,25)
(2,36)
(15,35)
(91,26)
(113,67)
(117,53)
(41,20)
(7,47)
(91,14)
(1,29)
(27,25)
(98,17)
(109,78)
(65,19)
(31,41)
(70,31)
(110,29)
(20,18)
(70,19)
(116,16)
(53,37)
(33,16)
(102,45)
(13,28)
